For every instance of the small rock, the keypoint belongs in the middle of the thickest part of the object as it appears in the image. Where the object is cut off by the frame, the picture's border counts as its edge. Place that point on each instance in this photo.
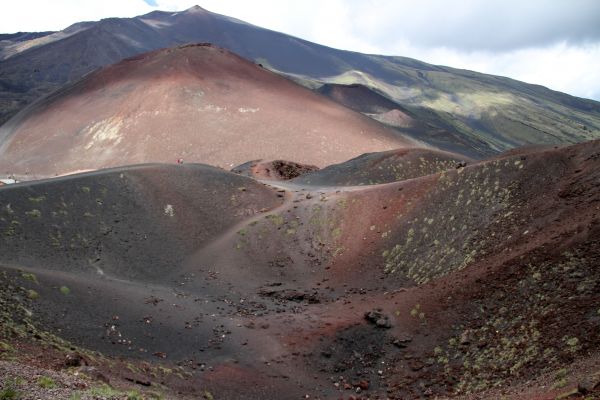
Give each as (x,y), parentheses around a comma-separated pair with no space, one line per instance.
(588,384)
(466,337)
(94,373)
(326,354)
(378,318)
(74,360)
(363,385)
(402,341)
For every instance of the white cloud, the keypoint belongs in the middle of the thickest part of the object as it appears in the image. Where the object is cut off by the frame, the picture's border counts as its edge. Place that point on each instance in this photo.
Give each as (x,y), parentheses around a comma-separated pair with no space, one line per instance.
(44,15)
(391,27)
(566,68)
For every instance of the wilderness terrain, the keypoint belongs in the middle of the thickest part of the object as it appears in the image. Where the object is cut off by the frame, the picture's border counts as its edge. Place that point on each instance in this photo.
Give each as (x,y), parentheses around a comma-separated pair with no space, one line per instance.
(209,209)
(458,278)
(196,102)
(474,114)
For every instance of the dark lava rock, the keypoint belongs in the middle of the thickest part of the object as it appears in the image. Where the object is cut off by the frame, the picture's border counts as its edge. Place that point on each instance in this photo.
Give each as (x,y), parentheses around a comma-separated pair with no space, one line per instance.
(74,360)
(378,318)
(466,337)
(290,170)
(589,384)
(290,295)
(363,385)
(402,341)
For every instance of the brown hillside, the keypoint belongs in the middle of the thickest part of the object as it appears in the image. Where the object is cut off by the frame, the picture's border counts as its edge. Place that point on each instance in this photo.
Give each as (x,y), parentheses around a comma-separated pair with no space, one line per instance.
(196,102)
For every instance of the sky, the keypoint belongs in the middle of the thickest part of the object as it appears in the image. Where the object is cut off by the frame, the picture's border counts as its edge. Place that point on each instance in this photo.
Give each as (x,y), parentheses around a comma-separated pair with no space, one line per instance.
(555,43)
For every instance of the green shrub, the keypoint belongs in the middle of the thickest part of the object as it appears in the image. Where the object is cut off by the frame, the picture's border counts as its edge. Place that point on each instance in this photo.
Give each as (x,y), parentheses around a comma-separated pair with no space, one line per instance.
(9,393)
(46,382)
(134,395)
(34,213)
(29,276)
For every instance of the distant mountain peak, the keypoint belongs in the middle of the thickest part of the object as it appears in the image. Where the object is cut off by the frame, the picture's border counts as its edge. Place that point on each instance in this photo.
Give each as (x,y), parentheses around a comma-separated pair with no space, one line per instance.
(195,9)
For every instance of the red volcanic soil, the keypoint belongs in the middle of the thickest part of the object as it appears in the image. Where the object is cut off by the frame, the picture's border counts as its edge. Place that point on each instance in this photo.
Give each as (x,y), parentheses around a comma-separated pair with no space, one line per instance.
(474,282)
(196,102)
(280,170)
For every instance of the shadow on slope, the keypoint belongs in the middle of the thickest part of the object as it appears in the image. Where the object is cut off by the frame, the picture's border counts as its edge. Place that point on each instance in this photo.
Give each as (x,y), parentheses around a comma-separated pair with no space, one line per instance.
(447,284)
(384,167)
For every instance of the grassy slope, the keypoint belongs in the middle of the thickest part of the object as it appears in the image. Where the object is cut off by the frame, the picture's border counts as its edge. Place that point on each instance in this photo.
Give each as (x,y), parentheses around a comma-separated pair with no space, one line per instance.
(489,114)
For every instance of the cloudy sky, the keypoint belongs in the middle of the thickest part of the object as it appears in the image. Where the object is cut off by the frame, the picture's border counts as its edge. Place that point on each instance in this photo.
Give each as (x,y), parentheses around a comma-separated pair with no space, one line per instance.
(555,43)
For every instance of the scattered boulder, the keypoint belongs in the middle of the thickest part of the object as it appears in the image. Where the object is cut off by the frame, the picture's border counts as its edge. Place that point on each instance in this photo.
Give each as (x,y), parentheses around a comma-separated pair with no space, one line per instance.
(379,319)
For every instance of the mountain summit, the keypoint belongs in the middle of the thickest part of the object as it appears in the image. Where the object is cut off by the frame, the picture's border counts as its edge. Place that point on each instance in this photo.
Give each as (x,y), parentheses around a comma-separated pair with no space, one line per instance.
(195,9)
(462,111)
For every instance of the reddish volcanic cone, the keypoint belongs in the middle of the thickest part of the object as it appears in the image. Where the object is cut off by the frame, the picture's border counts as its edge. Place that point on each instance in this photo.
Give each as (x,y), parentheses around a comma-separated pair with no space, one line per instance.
(196,102)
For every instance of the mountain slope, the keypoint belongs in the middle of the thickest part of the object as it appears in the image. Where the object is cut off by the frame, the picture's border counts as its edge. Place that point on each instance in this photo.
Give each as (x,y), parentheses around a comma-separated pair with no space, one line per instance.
(383,167)
(413,120)
(491,113)
(480,280)
(196,102)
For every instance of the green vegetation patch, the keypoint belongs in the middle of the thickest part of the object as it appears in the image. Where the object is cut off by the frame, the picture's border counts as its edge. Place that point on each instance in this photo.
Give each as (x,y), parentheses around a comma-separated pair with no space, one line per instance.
(46,382)
(433,243)
(276,219)
(35,213)
(512,338)
(37,199)
(29,276)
